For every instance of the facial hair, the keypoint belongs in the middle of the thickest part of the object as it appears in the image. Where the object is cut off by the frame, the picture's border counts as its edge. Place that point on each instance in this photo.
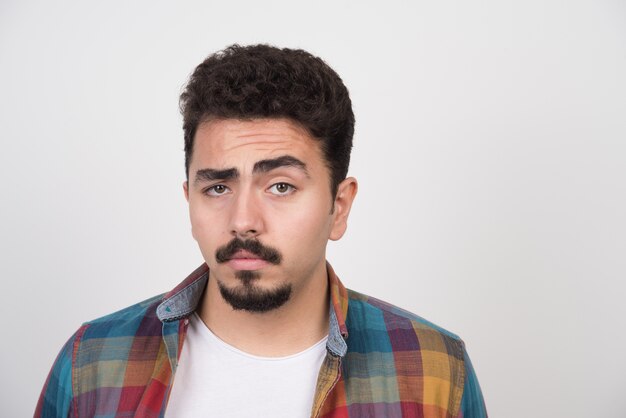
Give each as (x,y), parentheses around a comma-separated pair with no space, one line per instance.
(248,296)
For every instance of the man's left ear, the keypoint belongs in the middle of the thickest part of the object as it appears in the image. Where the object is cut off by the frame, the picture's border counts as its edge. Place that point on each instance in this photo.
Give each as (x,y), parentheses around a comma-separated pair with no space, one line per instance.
(346,191)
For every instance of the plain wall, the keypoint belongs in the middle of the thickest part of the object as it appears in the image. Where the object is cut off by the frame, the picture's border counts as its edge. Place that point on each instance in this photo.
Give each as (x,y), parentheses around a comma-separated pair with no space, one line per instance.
(490,148)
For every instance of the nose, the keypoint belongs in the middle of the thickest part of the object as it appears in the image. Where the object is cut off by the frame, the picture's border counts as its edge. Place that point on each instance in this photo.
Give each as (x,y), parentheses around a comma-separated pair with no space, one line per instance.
(246,219)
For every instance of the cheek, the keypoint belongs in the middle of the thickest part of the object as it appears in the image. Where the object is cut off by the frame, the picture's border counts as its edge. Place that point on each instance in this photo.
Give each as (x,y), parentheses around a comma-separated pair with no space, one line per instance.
(205,227)
(196,218)
(306,227)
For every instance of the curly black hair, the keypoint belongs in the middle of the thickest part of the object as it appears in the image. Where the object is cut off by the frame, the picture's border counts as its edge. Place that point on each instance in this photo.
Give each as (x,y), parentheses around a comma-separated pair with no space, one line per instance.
(263,81)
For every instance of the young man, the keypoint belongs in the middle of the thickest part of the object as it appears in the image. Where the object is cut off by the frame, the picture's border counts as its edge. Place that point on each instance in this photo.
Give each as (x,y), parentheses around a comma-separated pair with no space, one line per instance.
(264,328)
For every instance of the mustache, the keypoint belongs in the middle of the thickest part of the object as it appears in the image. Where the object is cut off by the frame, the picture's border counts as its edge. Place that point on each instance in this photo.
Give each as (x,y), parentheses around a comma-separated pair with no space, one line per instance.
(226,252)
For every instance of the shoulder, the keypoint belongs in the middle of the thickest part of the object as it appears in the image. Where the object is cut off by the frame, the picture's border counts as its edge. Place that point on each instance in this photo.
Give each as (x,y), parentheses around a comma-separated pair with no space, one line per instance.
(96,353)
(127,316)
(369,314)
(388,342)
(103,336)
(137,319)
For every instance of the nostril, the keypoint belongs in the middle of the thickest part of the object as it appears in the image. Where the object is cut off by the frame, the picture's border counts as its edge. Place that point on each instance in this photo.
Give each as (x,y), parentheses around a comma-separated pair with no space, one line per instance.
(245,235)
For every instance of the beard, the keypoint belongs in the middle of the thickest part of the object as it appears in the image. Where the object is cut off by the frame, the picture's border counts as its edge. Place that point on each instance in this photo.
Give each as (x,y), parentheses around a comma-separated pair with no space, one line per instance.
(252,298)
(248,296)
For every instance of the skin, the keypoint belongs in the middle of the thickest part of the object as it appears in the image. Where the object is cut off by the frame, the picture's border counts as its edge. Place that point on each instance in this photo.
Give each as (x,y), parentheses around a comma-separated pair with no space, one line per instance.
(287,208)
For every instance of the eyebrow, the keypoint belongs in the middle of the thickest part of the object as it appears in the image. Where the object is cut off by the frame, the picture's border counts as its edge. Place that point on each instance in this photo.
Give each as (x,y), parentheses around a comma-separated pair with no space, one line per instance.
(262,166)
(210,174)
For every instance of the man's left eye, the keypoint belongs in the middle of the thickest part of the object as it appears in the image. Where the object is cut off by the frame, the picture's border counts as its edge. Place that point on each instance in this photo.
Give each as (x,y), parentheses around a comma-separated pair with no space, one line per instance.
(282,189)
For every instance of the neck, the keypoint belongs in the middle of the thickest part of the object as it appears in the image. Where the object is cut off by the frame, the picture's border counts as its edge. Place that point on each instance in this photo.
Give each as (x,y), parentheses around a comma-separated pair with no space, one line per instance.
(298,324)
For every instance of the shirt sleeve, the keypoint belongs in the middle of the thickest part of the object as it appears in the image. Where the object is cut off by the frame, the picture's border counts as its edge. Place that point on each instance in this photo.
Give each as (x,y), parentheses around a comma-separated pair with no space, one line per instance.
(57,394)
(472,402)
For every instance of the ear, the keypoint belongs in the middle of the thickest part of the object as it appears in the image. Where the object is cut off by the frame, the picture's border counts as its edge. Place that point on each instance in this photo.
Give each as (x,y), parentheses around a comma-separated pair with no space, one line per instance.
(186,189)
(346,191)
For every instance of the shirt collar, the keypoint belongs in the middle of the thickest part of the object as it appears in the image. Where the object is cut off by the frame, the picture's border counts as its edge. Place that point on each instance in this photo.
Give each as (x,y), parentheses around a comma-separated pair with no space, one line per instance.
(182,301)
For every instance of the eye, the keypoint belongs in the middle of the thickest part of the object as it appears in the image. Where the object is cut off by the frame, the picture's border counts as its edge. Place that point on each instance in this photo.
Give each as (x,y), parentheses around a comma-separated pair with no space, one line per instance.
(281,189)
(217,190)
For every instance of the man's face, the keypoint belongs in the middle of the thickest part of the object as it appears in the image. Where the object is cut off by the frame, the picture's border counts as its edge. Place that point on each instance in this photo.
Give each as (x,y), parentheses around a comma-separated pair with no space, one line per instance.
(261,208)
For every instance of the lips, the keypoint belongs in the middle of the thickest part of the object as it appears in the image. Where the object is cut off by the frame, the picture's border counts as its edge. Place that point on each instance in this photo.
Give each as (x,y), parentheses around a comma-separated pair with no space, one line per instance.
(243,260)
(244,255)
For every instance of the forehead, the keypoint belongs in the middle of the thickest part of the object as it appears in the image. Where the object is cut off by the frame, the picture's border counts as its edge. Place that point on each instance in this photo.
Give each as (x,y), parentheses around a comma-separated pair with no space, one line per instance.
(237,143)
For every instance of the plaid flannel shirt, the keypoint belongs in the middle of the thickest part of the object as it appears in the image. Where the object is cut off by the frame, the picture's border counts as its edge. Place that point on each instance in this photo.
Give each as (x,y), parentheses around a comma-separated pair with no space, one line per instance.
(381,361)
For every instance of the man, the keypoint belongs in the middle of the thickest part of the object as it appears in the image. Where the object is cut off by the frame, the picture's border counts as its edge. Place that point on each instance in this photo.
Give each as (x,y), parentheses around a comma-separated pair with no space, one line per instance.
(264,328)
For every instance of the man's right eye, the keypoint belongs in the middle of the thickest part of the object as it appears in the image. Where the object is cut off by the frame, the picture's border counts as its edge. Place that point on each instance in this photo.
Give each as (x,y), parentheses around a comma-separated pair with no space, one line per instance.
(217,190)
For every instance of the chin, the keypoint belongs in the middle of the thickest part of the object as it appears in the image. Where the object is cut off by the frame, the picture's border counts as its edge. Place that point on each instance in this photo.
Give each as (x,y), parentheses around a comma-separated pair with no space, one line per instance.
(252,298)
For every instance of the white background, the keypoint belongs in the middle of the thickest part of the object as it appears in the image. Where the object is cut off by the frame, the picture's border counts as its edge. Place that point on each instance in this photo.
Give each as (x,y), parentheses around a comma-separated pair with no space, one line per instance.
(490,148)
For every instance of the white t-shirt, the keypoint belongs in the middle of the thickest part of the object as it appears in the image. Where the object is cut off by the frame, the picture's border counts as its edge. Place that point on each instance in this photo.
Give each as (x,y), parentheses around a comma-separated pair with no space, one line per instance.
(215,379)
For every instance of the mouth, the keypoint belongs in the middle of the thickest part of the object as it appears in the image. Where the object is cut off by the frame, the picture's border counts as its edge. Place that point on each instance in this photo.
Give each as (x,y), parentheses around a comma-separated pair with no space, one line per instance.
(247,255)
(244,255)
(245,260)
